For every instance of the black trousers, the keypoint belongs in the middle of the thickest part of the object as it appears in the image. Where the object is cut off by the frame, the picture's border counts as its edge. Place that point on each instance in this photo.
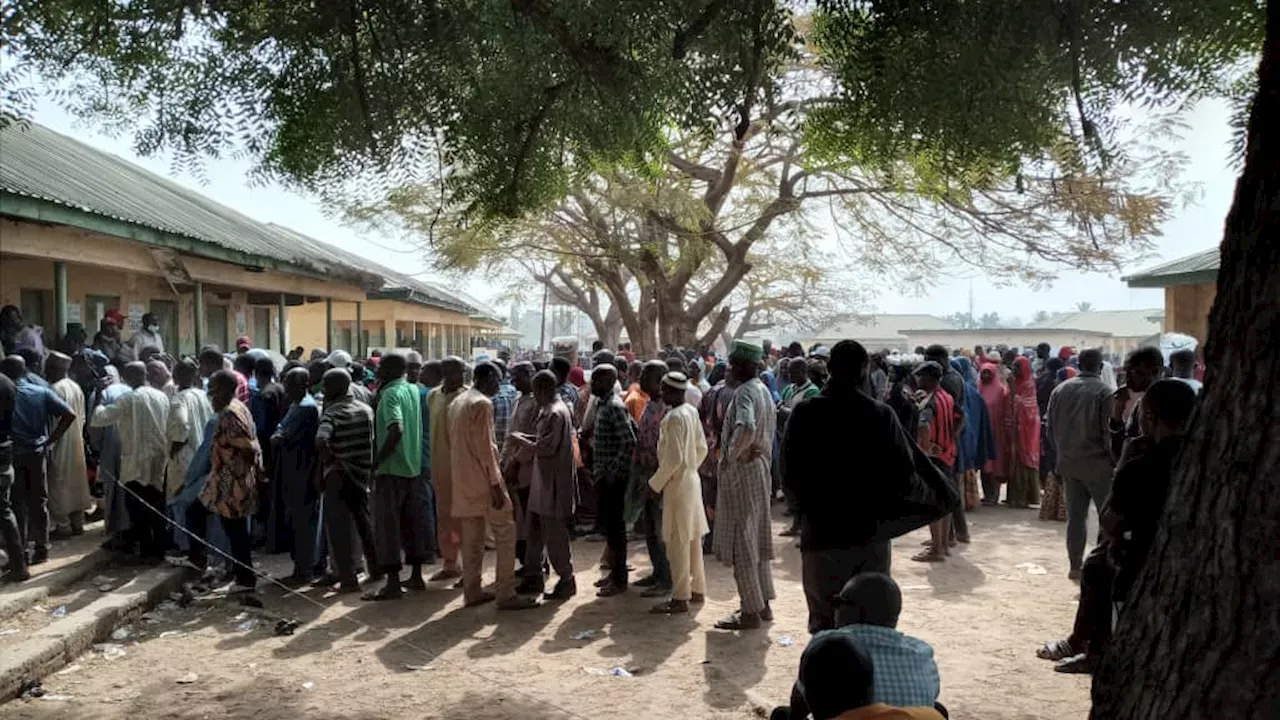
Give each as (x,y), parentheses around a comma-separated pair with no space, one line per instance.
(145,503)
(237,530)
(613,501)
(30,498)
(824,573)
(346,508)
(1092,629)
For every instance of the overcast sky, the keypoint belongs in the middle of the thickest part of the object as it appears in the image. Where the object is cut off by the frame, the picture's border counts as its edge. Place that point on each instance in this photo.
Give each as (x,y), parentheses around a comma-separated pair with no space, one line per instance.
(1191,229)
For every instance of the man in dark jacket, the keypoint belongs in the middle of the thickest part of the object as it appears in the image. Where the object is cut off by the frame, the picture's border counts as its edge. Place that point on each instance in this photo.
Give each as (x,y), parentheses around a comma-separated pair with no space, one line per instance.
(855,491)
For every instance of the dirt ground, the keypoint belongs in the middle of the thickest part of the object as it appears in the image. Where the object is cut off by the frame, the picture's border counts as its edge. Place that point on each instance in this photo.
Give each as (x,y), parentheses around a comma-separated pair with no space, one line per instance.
(985,611)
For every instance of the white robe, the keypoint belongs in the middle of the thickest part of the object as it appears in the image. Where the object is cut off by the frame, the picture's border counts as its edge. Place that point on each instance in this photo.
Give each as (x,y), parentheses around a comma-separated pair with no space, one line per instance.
(682,446)
(142,416)
(189,411)
(68,476)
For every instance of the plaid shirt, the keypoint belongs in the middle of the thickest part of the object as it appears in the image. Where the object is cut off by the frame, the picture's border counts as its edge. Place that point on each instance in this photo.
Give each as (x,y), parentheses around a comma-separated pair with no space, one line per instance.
(614,440)
(650,427)
(503,403)
(905,673)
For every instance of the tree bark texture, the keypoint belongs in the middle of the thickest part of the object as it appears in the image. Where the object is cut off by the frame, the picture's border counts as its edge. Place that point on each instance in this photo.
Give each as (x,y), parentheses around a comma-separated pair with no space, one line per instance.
(1199,636)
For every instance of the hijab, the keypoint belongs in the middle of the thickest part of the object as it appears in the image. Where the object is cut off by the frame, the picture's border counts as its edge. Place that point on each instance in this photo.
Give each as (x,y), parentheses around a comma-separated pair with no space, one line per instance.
(1027,412)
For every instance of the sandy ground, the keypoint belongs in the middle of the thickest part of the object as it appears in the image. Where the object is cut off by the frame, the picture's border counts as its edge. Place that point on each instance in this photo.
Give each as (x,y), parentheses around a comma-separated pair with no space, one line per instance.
(985,611)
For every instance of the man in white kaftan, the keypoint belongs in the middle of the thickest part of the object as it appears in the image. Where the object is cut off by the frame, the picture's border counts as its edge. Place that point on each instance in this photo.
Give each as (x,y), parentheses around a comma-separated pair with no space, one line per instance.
(682,446)
(142,417)
(69,496)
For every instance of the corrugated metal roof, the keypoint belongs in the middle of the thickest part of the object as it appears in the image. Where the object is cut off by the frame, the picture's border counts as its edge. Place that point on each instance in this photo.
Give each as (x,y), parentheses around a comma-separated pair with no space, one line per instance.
(393,282)
(1117,323)
(39,163)
(1200,267)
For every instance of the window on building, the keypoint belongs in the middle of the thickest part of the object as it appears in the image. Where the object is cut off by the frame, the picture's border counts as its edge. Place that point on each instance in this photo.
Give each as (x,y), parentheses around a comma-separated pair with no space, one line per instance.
(33,305)
(215,326)
(261,331)
(342,330)
(95,308)
(166,312)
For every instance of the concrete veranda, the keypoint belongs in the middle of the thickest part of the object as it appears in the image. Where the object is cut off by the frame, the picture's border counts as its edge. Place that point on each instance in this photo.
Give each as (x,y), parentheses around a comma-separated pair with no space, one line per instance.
(427,656)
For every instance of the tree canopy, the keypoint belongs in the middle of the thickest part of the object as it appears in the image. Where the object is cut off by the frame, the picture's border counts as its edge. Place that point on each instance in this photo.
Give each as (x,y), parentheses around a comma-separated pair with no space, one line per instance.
(505,105)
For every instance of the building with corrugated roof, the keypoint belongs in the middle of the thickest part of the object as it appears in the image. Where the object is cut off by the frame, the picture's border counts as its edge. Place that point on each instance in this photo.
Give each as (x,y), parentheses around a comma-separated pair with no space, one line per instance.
(1190,284)
(83,231)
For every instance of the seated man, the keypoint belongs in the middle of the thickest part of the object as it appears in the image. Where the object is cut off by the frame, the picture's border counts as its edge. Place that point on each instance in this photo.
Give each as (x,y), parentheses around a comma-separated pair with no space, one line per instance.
(1128,524)
(837,679)
(906,674)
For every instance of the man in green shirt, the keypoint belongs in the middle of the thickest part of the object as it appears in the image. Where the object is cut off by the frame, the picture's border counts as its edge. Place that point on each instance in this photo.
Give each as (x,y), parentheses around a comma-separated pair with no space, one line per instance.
(397,494)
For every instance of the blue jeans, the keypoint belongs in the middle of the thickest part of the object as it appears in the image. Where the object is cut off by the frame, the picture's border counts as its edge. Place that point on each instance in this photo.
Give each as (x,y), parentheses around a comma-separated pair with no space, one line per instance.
(432,542)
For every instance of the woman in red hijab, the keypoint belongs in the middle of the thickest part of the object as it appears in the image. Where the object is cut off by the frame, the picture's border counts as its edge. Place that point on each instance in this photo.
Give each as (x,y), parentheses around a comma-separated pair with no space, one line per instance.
(1024,483)
(997,471)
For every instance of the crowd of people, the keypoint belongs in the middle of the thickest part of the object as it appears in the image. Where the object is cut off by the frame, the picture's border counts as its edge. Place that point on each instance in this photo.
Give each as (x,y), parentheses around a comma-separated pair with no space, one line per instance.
(363,468)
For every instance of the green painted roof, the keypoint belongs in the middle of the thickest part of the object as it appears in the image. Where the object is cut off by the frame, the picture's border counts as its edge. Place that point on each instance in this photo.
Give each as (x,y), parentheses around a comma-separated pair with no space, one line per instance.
(1190,270)
(50,177)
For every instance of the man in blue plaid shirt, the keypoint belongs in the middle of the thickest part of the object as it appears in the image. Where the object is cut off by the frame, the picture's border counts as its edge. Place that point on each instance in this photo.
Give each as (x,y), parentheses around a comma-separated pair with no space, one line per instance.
(503,403)
(905,673)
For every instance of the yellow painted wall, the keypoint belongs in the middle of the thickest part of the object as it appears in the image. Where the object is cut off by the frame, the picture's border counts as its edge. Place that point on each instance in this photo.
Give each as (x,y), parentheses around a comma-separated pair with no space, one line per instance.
(438,332)
(1186,309)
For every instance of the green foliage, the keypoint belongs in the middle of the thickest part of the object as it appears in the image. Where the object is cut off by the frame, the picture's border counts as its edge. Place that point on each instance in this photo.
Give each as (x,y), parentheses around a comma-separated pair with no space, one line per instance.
(975,88)
(506,105)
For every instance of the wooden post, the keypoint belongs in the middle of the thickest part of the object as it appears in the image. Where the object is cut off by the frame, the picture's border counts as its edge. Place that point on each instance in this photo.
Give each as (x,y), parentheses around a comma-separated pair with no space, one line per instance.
(60,301)
(199,310)
(328,324)
(358,331)
(282,331)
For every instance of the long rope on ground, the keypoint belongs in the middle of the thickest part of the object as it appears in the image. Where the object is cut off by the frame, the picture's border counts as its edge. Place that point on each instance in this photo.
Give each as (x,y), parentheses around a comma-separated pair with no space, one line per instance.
(430,654)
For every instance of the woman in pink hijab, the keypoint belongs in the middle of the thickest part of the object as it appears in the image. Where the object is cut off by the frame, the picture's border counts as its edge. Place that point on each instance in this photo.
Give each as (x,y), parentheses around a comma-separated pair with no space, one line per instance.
(1024,483)
(995,393)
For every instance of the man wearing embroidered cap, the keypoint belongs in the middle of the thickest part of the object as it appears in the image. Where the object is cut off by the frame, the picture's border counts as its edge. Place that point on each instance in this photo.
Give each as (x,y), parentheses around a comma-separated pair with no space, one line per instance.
(682,446)
(743,536)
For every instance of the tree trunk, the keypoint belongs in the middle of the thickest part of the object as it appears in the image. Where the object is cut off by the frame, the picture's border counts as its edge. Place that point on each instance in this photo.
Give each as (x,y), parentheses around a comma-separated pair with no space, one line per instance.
(1200,634)
(610,330)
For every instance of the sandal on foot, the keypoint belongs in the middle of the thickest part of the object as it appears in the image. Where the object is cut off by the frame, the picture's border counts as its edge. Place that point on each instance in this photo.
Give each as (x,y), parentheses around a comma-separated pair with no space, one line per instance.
(1056,650)
(481,599)
(445,574)
(739,621)
(697,599)
(929,556)
(415,583)
(1081,664)
(388,592)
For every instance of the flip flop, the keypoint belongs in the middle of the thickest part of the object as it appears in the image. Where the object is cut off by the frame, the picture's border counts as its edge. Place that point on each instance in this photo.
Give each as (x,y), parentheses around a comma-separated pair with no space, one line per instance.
(1081,664)
(929,556)
(386,593)
(1056,650)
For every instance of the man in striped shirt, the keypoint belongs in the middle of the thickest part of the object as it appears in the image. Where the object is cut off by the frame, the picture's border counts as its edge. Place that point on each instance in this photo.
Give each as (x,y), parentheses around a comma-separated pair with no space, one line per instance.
(345,439)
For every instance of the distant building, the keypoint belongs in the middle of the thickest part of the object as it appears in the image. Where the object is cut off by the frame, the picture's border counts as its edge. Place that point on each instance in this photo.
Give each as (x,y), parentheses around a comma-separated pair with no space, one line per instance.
(878,332)
(1114,331)
(1190,285)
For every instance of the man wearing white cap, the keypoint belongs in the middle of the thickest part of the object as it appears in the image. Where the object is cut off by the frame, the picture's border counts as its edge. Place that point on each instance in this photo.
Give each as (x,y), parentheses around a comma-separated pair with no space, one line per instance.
(682,446)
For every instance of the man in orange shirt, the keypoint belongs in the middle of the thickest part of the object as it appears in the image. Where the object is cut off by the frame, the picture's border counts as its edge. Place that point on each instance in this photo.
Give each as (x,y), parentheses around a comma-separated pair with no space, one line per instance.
(836,677)
(636,399)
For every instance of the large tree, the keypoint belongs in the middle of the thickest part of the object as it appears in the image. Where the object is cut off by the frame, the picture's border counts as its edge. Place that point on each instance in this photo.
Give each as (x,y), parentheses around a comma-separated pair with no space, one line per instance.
(1199,636)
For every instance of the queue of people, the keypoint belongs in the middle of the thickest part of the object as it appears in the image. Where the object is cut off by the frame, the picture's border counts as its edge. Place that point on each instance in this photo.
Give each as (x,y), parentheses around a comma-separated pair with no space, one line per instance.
(361,469)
